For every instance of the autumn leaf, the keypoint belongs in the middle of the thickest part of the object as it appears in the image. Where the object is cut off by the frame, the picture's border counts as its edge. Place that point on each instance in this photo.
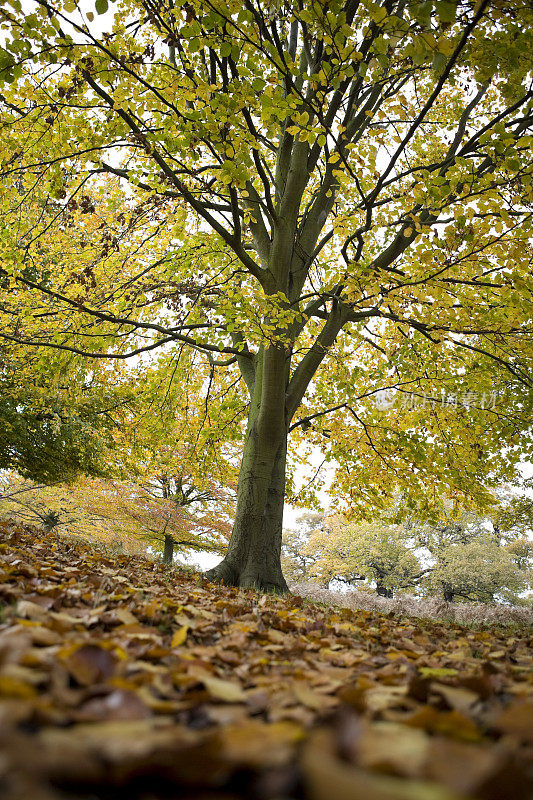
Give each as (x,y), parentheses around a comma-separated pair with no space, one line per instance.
(179,636)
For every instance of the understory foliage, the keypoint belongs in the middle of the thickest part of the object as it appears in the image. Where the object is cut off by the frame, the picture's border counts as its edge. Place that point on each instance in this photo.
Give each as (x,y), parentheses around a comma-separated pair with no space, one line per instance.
(469,613)
(124,679)
(328,200)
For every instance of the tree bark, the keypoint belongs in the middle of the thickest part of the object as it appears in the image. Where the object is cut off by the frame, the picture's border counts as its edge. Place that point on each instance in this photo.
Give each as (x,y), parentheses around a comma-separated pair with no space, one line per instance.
(168,550)
(253,559)
(448,593)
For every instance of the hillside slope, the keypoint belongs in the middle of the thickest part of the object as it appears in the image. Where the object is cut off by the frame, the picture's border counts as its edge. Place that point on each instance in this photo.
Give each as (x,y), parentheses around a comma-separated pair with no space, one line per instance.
(122,679)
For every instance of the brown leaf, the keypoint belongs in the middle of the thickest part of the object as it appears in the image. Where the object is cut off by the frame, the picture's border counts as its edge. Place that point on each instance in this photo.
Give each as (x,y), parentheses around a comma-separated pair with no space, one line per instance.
(29,610)
(310,698)
(449,723)
(517,720)
(90,664)
(257,744)
(229,691)
(118,705)
(461,766)
(125,616)
(457,697)
(390,747)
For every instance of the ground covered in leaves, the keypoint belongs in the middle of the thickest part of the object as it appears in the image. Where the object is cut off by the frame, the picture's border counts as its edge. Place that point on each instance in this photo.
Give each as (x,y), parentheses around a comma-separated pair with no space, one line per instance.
(122,679)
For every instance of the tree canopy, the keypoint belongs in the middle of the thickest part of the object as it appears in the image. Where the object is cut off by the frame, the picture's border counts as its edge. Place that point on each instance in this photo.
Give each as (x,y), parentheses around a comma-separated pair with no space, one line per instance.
(328,200)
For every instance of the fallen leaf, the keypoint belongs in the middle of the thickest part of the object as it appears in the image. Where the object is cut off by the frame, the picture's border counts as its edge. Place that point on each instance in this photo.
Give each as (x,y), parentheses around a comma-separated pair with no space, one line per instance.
(180,636)
(437,672)
(517,720)
(229,691)
(89,663)
(390,747)
(117,705)
(326,776)
(457,697)
(257,744)
(449,723)
(125,616)
(310,698)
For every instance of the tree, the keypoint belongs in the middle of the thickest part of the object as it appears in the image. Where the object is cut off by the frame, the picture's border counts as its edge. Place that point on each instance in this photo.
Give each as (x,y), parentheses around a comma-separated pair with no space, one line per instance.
(336,197)
(297,561)
(170,477)
(178,449)
(159,519)
(116,514)
(46,437)
(374,551)
(472,560)
(515,512)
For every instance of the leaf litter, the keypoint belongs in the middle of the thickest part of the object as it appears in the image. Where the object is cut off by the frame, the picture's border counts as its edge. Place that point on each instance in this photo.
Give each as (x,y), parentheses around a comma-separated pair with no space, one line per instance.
(120,678)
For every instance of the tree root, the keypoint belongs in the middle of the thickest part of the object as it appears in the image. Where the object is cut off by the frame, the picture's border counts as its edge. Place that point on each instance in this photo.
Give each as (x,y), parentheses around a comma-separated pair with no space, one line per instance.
(223,573)
(247,579)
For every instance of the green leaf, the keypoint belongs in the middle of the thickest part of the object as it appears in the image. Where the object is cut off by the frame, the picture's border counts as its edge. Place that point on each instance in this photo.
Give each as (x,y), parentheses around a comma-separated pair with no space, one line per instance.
(446,11)
(439,61)
(6,59)
(423,13)
(379,15)
(225,49)
(101,6)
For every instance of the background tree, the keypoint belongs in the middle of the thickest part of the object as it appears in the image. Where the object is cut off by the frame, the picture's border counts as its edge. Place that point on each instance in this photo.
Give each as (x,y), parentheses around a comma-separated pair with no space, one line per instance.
(473,561)
(515,512)
(337,197)
(171,473)
(463,555)
(117,514)
(376,552)
(179,448)
(297,561)
(53,435)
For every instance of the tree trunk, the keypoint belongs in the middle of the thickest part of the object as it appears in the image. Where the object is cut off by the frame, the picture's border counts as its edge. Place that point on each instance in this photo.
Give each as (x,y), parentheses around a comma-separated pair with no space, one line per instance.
(448,592)
(168,550)
(253,559)
(383,591)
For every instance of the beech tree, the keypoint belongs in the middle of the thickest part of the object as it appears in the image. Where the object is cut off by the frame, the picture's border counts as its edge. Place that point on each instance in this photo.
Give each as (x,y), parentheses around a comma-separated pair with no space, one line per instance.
(335,200)
(374,551)
(471,560)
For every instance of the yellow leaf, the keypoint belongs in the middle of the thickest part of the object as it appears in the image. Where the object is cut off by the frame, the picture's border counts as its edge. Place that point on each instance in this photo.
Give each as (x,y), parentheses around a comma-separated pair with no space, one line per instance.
(229,691)
(180,636)
(258,744)
(437,672)
(11,687)
(308,697)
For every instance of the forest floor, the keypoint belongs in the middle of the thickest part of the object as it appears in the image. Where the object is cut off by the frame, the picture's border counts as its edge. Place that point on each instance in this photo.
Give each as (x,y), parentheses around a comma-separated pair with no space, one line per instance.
(120,678)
